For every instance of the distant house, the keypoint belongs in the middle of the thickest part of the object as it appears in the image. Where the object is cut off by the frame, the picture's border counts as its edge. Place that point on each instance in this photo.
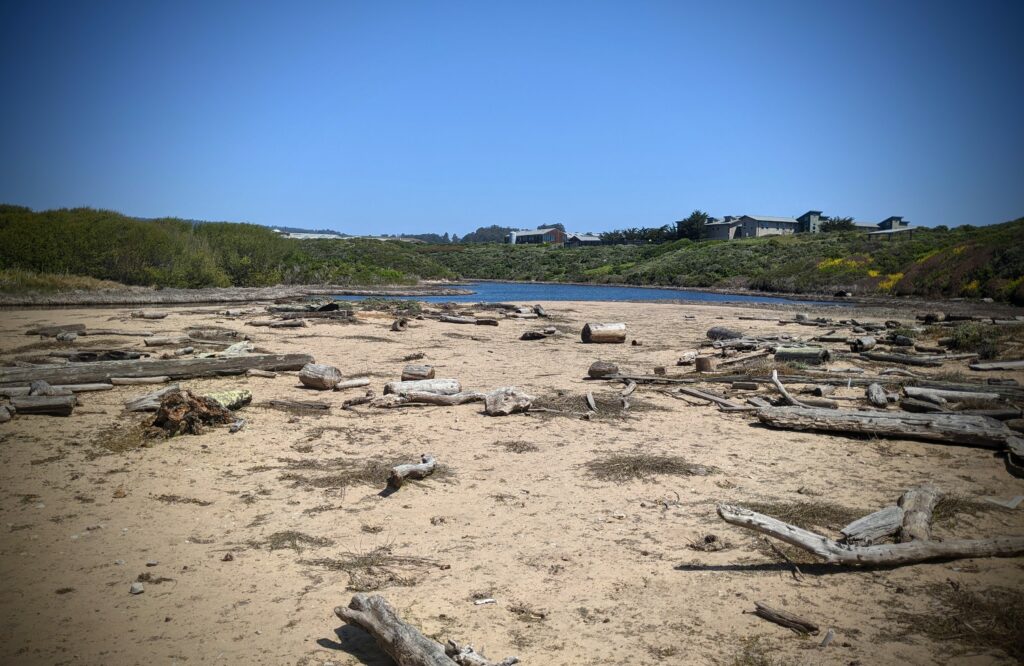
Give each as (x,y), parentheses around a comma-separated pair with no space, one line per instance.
(754,226)
(577,240)
(536,237)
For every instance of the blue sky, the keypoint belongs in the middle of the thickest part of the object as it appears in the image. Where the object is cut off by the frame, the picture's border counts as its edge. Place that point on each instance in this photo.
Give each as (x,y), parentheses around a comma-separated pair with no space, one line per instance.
(403,117)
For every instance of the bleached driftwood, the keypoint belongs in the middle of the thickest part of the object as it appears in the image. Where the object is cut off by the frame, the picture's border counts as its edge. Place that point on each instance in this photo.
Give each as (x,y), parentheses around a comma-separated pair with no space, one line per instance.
(137,381)
(352,383)
(149,402)
(614,333)
(782,390)
(862,344)
(876,395)
(16,391)
(874,526)
(806,355)
(887,554)
(403,642)
(507,400)
(601,369)
(997,365)
(917,505)
(945,394)
(319,376)
(411,373)
(442,386)
(903,359)
(420,470)
(452,319)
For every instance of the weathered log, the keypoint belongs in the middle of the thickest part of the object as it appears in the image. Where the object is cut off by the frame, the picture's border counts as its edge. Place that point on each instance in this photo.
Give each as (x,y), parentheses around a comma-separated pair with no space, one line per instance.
(465,655)
(341,315)
(67,336)
(52,405)
(723,333)
(998,365)
(300,405)
(741,359)
(934,395)
(507,400)
(452,319)
(1000,414)
(400,324)
(704,364)
(533,335)
(400,640)
(745,386)
(115,332)
(256,372)
(886,554)
(785,619)
(862,344)
(361,400)
(903,359)
(214,334)
(710,397)
(877,396)
(165,341)
(104,355)
(427,398)
(174,368)
(921,406)
(790,400)
(874,526)
(288,323)
(806,355)
(420,470)
(486,321)
(540,311)
(599,369)
(442,386)
(149,402)
(917,505)
(821,390)
(319,376)
(16,391)
(51,331)
(595,333)
(927,349)
(5,414)
(416,372)
(40,387)
(135,381)
(352,383)
(942,428)
(148,314)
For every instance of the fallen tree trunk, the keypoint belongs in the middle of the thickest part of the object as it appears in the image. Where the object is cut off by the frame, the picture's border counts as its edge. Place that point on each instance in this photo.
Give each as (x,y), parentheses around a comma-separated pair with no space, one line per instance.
(998,365)
(944,394)
(412,373)
(149,402)
(442,386)
(426,398)
(887,554)
(943,428)
(402,641)
(917,505)
(174,368)
(452,319)
(603,333)
(903,359)
(74,388)
(51,331)
(352,383)
(319,376)
(51,405)
(807,355)
(135,381)
(420,470)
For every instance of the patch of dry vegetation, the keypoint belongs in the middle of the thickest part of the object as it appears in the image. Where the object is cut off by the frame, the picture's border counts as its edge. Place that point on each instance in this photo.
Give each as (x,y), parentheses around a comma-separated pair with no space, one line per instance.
(290,539)
(338,473)
(376,568)
(642,466)
(808,515)
(609,405)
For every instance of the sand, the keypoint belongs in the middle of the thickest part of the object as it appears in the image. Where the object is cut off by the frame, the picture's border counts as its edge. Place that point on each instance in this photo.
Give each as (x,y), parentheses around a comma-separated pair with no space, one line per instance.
(583,570)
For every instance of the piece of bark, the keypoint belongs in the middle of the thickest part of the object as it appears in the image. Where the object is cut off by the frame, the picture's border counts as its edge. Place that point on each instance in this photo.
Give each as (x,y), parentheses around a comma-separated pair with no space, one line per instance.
(416,372)
(785,619)
(67,336)
(723,333)
(877,396)
(400,640)
(400,324)
(50,405)
(874,526)
(886,554)
(943,394)
(903,359)
(442,386)
(917,505)
(806,355)
(420,470)
(85,373)
(609,333)
(599,369)
(319,376)
(507,400)
(256,372)
(135,381)
(149,402)
(352,383)
(942,428)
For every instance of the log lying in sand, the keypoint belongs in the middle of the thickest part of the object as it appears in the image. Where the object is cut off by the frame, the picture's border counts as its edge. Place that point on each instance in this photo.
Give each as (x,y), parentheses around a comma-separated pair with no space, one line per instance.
(723,333)
(149,402)
(596,333)
(148,314)
(806,355)
(998,365)
(442,386)
(136,381)
(412,373)
(352,383)
(876,395)
(887,554)
(17,391)
(420,470)
(256,372)
(403,642)
(937,395)
(319,376)
(400,324)
(507,400)
(427,398)
(174,368)
(452,319)
(903,359)
(52,405)
(51,331)
(600,369)
(862,344)
(785,619)
(943,428)
(917,505)
(165,341)
(874,526)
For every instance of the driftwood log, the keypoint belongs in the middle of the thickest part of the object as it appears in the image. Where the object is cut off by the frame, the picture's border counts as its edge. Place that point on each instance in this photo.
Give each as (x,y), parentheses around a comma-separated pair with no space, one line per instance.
(903,359)
(806,355)
(403,642)
(874,526)
(599,369)
(319,376)
(149,402)
(442,386)
(452,319)
(998,365)
(139,381)
(420,470)
(51,405)
(256,372)
(5,414)
(400,324)
(887,554)
(614,333)
(723,333)
(785,619)
(17,391)
(85,373)
(877,396)
(943,428)
(352,383)
(411,373)
(917,505)
(943,395)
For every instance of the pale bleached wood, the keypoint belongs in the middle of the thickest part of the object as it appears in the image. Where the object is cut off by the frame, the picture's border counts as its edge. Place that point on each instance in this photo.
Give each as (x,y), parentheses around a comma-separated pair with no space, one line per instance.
(917,505)
(903,359)
(946,394)
(886,554)
(411,373)
(806,355)
(102,371)
(874,526)
(134,381)
(943,428)
(710,397)
(997,365)
(443,386)
(15,391)
(149,402)
(876,395)
(452,319)
(165,341)
(613,333)
(782,389)
(420,470)
(319,376)
(507,400)
(352,383)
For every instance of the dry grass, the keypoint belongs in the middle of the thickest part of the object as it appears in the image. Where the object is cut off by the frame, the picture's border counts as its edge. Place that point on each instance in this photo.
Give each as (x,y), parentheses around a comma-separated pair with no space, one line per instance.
(178,499)
(343,472)
(949,508)
(988,619)
(609,405)
(13,280)
(808,515)
(642,466)
(753,652)
(121,438)
(517,446)
(376,568)
(291,539)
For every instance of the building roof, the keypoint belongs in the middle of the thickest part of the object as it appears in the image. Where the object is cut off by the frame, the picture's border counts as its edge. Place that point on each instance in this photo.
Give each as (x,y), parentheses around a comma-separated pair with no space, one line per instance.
(768,218)
(535,232)
(584,237)
(897,230)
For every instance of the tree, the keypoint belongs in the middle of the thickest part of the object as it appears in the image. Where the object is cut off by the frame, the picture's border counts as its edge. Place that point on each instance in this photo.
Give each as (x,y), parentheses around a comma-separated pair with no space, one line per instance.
(491,234)
(693,226)
(556,225)
(838,224)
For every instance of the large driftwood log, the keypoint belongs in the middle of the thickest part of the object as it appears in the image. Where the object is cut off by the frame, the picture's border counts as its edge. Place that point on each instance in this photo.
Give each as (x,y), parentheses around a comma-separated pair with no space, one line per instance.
(917,505)
(452,319)
(52,405)
(807,355)
(51,331)
(998,365)
(14,392)
(943,428)
(862,344)
(319,376)
(614,333)
(137,381)
(174,368)
(420,470)
(427,398)
(352,383)
(877,396)
(401,641)
(442,386)
(903,359)
(945,394)
(886,554)
(411,373)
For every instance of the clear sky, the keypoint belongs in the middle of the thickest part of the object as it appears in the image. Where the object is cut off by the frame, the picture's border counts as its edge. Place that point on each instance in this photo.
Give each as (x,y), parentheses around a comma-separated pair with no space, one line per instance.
(415,116)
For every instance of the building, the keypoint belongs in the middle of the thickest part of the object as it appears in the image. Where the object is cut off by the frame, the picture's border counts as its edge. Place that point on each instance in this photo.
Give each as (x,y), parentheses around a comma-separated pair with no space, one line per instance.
(536,237)
(578,240)
(755,226)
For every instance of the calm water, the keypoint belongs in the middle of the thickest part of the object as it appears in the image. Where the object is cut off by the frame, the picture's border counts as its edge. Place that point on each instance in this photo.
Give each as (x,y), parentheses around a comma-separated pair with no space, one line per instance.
(529,292)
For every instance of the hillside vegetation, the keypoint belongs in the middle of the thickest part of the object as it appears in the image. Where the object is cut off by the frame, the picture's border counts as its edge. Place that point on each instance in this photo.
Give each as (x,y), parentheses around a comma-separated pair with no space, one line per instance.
(175,253)
(964,261)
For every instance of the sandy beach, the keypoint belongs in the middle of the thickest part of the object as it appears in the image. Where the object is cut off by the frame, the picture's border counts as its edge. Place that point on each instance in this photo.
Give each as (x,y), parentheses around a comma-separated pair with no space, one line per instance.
(583,569)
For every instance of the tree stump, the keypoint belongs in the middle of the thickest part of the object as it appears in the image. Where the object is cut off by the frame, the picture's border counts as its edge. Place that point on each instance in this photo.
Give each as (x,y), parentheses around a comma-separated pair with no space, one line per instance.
(319,376)
(182,413)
